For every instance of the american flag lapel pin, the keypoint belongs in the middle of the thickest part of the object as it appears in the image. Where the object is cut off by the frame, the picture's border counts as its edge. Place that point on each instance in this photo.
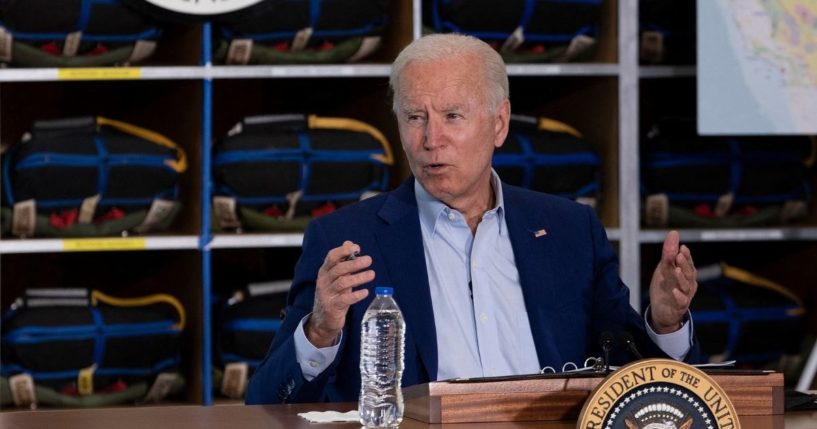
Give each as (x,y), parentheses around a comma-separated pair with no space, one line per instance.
(540,233)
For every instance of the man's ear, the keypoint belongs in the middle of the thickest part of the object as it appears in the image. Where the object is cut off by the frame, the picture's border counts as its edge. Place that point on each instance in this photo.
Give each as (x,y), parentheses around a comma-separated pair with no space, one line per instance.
(502,122)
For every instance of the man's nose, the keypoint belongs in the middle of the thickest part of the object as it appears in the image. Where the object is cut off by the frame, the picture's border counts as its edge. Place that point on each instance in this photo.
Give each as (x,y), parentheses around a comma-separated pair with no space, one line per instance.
(434,134)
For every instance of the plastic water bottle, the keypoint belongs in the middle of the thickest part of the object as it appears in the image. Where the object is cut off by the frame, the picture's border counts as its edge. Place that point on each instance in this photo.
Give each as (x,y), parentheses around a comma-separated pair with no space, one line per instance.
(381,362)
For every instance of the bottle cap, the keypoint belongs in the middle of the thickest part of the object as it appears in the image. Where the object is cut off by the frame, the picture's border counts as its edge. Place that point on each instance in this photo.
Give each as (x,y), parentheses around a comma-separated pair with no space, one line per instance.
(384,290)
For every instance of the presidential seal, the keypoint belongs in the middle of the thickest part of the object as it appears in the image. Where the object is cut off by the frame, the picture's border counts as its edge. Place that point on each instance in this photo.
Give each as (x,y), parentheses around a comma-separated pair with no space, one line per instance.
(658,394)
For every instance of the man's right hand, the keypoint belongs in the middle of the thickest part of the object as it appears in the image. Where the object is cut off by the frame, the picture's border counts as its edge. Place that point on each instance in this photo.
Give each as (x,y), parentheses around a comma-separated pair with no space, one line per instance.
(333,293)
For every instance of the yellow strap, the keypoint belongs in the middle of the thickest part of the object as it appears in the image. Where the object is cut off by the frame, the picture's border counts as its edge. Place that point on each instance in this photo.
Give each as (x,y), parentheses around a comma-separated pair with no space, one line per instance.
(812,156)
(749,278)
(355,125)
(159,298)
(558,127)
(179,165)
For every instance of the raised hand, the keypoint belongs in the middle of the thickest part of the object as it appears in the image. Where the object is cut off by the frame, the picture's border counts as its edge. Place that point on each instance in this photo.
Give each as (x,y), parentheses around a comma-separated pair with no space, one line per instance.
(333,292)
(672,286)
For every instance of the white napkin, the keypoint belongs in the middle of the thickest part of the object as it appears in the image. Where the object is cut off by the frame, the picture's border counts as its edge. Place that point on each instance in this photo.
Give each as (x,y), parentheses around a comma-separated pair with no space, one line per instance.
(331,416)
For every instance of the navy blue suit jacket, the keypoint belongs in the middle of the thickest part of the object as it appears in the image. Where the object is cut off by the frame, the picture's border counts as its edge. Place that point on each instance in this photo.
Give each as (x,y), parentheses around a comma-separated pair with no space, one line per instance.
(569,278)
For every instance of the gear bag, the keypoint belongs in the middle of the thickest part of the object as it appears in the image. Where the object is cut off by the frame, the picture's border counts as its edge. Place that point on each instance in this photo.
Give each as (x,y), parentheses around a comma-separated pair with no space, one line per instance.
(80,341)
(744,317)
(549,156)
(302,32)
(74,33)
(89,177)
(276,172)
(521,30)
(248,322)
(702,181)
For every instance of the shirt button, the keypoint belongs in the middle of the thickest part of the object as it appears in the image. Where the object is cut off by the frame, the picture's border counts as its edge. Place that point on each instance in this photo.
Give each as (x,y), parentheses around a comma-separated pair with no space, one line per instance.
(313,364)
(483,317)
(451,216)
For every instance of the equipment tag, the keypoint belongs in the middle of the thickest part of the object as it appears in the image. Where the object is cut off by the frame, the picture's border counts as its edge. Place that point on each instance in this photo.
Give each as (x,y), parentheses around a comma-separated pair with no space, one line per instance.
(24,218)
(85,380)
(22,390)
(234,382)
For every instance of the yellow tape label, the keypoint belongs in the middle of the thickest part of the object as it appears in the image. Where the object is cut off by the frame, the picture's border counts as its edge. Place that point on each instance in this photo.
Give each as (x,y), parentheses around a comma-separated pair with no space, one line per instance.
(85,380)
(99,73)
(97,244)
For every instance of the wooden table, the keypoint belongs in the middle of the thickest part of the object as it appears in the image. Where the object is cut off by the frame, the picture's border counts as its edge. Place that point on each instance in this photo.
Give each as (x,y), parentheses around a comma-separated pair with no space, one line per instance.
(281,416)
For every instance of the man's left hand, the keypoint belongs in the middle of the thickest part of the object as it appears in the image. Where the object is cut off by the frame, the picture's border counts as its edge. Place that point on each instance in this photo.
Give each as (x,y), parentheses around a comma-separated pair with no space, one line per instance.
(672,286)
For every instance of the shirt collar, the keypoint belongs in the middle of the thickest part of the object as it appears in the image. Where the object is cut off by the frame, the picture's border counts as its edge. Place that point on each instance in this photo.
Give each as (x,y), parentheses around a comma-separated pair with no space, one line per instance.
(431,208)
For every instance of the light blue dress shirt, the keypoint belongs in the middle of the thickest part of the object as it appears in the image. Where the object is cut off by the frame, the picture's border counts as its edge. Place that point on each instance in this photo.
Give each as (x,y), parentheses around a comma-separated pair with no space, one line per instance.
(482,330)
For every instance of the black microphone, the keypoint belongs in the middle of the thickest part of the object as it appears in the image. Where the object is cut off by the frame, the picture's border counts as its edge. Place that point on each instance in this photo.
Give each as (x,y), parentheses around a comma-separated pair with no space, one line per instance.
(606,345)
(626,338)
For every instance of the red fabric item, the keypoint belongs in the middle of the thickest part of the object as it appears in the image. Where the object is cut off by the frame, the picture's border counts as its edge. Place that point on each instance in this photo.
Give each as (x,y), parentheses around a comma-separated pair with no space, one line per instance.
(324,210)
(51,48)
(99,49)
(64,219)
(273,211)
(112,214)
(703,210)
(326,46)
(282,47)
(746,211)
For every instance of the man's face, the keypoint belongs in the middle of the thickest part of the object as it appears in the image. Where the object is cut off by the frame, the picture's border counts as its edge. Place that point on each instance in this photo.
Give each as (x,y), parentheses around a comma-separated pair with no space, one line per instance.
(446,127)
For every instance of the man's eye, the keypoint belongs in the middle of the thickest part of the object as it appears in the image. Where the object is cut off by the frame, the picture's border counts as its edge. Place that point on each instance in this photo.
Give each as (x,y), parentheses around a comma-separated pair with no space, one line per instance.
(453,116)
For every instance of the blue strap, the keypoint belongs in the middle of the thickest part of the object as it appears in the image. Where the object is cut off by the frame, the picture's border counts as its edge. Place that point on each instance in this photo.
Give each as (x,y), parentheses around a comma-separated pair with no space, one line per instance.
(6,178)
(306,166)
(527,13)
(736,167)
(232,357)
(253,325)
(12,369)
(314,12)
(102,160)
(99,341)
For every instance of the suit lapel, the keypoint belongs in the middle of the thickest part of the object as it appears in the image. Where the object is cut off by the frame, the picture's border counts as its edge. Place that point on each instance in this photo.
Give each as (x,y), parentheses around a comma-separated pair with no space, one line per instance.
(401,243)
(534,251)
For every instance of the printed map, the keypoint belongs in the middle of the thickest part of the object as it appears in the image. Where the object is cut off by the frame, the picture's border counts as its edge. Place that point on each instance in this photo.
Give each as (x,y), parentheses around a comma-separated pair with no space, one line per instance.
(757,66)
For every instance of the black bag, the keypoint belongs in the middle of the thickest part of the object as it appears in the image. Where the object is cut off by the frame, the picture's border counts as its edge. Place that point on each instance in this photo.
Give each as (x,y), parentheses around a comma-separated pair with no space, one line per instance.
(741,316)
(73,339)
(247,324)
(692,180)
(549,156)
(80,33)
(277,172)
(667,30)
(521,30)
(302,31)
(91,176)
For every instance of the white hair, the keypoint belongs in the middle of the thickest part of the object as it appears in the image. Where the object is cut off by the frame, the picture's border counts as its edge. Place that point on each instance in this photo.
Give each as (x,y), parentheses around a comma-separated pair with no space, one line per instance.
(439,47)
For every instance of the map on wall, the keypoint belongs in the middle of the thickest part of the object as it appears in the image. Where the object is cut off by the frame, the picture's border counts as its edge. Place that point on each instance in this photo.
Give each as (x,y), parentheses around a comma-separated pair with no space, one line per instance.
(757,66)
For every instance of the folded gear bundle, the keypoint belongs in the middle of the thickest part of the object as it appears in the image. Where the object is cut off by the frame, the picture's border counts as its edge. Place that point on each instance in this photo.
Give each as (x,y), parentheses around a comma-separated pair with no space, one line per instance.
(549,156)
(302,32)
(247,324)
(741,316)
(75,342)
(522,30)
(74,33)
(90,177)
(715,181)
(275,173)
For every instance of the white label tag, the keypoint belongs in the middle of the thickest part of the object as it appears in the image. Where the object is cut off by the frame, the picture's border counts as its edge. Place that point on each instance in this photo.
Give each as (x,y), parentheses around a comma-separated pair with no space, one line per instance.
(367,46)
(239,51)
(158,212)
(141,50)
(301,39)
(6,45)
(71,46)
(24,218)
(652,47)
(161,387)
(87,209)
(234,382)
(724,205)
(224,210)
(578,45)
(513,41)
(793,210)
(588,201)
(22,390)
(293,198)
(656,209)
